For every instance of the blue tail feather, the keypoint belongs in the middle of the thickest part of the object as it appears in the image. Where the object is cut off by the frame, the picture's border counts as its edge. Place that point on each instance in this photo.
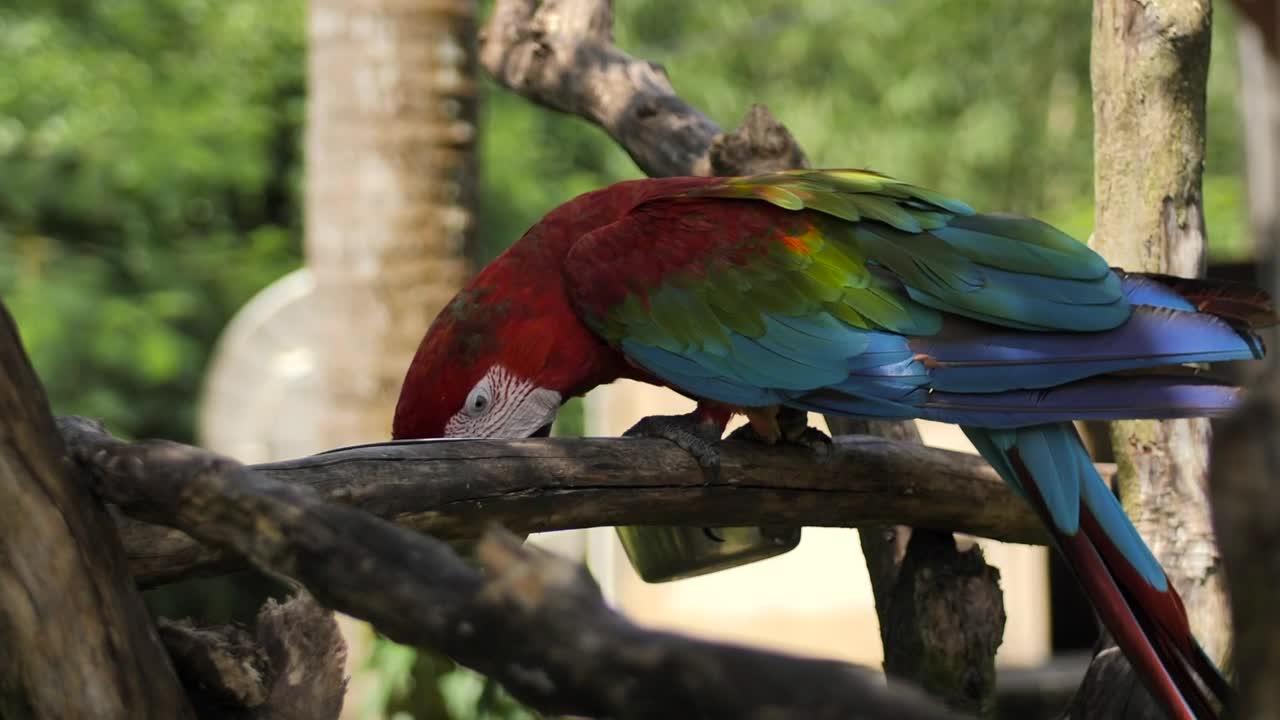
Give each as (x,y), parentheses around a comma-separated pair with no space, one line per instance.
(967,357)
(1065,476)
(1156,397)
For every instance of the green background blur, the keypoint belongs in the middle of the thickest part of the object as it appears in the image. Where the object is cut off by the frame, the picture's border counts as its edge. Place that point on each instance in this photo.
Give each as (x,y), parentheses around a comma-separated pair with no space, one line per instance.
(151,159)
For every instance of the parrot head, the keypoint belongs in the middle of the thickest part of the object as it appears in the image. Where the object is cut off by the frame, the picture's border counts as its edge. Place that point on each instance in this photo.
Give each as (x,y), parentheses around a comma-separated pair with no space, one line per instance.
(480,371)
(502,356)
(509,349)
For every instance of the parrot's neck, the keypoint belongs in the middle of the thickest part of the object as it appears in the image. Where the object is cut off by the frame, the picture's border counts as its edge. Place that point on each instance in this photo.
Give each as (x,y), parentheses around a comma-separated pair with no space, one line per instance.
(547,338)
(536,332)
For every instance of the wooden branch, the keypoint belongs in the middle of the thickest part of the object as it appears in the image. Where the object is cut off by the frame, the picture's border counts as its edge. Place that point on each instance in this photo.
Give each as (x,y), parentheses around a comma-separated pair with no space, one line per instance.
(76,640)
(451,489)
(1149,68)
(940,608)
(291,667)
(535,622)
(558,53)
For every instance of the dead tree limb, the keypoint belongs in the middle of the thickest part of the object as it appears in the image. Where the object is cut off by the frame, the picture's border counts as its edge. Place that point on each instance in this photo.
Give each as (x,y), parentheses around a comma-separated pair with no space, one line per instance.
(929,592)
(75,639)
(535,622)
(291,667)
(560,54)
(451,489)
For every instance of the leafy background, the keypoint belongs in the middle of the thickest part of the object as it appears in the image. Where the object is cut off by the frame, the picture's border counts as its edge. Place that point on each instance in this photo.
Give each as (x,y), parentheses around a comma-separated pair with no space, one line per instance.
(150,163)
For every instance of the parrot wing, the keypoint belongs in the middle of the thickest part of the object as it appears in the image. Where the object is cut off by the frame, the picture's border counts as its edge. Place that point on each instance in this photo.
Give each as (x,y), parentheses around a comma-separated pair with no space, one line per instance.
(848,292)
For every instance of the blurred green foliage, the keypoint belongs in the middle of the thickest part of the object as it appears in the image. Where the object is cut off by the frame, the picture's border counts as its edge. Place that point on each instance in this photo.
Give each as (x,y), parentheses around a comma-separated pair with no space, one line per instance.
(150,161)
(149,158)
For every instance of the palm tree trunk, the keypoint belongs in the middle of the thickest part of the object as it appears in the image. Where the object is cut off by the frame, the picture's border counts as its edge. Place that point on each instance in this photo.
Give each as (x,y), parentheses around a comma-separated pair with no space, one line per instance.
(390,184)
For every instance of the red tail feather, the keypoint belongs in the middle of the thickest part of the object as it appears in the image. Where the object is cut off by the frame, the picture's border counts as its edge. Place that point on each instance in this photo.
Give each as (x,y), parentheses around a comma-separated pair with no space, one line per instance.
(1149,625)
(1239,304)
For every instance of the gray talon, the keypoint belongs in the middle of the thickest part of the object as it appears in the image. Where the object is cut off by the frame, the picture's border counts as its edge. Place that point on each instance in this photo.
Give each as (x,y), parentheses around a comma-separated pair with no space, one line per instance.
(794,425)
(814,439)
(695,437)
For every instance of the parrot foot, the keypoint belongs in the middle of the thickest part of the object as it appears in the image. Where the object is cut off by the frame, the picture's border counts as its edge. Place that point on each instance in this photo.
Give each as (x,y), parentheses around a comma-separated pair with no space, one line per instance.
(793,429)
(691,432)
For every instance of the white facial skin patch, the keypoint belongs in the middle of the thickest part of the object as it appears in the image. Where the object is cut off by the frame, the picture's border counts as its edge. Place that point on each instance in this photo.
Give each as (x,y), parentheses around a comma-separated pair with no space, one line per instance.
(501,405)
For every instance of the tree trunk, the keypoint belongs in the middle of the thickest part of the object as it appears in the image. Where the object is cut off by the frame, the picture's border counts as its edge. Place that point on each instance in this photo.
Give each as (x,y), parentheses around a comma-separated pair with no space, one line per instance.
(926,591)
(1246,507)
(76,640)
(1150,66)
(390,184)
(390,190)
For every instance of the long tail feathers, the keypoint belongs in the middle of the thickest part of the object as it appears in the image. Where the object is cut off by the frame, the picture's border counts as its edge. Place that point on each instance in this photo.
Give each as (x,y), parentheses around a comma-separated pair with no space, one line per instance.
(970,357)
(1151,395)
(1240,305)
(1049,466)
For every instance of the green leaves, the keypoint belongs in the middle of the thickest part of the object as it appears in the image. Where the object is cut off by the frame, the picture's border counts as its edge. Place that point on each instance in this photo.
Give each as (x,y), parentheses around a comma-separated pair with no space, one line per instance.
(148,158)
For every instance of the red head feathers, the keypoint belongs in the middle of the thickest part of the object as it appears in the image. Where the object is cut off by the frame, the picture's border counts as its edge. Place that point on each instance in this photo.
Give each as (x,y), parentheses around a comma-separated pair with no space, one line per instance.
(509,348)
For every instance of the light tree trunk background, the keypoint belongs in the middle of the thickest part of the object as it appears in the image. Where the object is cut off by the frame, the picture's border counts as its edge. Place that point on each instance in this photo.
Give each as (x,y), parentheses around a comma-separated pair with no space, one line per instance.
(1149,65)
(389,201)
(389,190)
(316,360)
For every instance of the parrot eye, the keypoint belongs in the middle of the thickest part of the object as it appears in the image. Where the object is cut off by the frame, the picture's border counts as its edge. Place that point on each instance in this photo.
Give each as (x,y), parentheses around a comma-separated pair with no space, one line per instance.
(502,405)
(479,399)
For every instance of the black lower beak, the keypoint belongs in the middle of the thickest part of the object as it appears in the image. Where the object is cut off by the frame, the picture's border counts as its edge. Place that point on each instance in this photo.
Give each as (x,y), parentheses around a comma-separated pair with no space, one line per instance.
(544,431)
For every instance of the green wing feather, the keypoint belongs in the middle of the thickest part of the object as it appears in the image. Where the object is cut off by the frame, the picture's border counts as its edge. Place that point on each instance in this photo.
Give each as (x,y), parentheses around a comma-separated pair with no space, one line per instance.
(854,245)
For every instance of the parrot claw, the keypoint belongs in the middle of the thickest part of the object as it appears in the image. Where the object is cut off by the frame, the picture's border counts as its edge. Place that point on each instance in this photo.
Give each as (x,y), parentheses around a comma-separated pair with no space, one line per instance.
(689,432)
(813,439)
(794,429)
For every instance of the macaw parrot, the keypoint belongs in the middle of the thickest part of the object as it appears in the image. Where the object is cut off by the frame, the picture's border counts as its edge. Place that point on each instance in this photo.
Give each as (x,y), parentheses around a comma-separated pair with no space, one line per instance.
(847,292)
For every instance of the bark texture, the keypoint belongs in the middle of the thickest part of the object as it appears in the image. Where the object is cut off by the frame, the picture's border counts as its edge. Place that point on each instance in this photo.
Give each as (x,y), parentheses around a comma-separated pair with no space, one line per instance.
(1246,460)
(76,640)
(451,489)
(560,54)
(290,667)
(1150,65)
(390,183)
(940,608)
(536,623)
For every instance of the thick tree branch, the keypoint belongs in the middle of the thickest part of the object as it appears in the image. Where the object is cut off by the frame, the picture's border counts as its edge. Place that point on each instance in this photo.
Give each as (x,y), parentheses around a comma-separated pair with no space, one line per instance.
(535,622)
(76,640)
(558,53)
(452,488)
